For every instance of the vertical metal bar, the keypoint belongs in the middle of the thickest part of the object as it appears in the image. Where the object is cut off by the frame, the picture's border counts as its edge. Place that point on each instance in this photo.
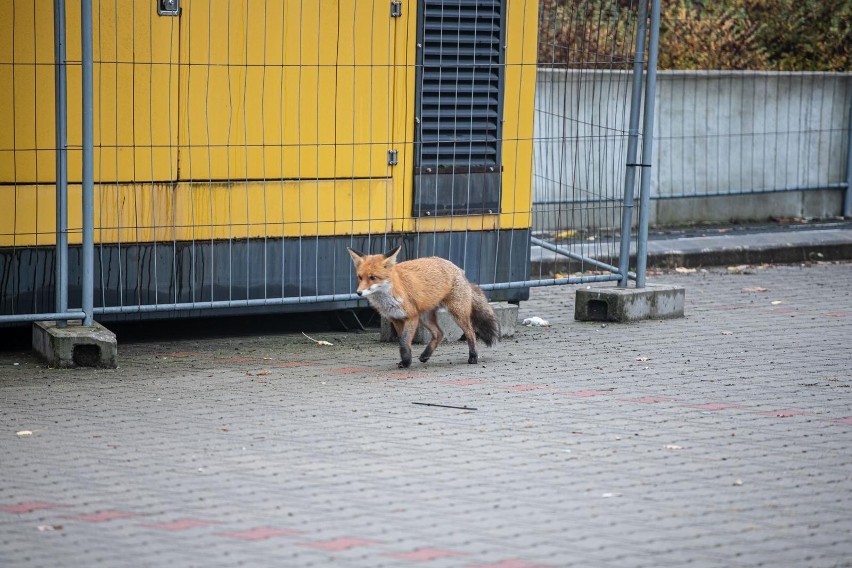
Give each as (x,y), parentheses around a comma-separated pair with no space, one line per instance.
(61,114)
(632,145)
(88,268)
(847,197)
(647,145)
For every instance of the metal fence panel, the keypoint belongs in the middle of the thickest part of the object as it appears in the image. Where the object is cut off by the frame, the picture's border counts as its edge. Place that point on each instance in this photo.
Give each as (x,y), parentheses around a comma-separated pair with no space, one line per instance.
(235,149)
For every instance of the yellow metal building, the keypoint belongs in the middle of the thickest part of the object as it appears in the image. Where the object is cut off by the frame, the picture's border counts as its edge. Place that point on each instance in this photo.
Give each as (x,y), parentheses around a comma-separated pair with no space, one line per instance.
(241,145)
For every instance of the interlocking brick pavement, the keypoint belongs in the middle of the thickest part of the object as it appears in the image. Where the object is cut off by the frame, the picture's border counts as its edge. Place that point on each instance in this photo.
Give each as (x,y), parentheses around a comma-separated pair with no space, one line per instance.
(723,439)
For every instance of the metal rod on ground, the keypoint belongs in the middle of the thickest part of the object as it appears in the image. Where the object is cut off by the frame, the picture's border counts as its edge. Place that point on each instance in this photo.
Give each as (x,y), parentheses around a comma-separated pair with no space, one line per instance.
(632,145)
(578,257)
(61,115)
(847,197)
(647,145)
(87,268)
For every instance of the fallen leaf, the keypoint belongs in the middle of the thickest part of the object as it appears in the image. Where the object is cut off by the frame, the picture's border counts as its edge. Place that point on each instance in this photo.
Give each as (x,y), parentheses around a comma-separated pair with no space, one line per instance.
(48,528)
(674,447)
(684,270)
(739,268)
(643,358)
(727,333)
(23,433)
(756,289)
(777,302)
(262,373)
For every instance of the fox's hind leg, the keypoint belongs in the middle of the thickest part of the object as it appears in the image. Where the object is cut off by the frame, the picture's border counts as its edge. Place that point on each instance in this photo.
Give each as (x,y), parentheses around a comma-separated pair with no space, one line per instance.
(405,329)
(430,322)
(462,316)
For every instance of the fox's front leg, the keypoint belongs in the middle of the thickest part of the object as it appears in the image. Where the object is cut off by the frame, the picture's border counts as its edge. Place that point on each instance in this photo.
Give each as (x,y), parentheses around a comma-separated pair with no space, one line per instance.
(405,329)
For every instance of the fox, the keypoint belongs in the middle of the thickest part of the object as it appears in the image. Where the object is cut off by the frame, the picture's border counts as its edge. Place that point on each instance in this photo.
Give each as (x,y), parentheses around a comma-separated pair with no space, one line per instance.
(410,292)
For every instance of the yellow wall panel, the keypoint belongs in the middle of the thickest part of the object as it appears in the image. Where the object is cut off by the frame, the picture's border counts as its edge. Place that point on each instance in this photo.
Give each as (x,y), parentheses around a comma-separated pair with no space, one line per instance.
(134,87)
(239,119)
(308,83)
(126,213)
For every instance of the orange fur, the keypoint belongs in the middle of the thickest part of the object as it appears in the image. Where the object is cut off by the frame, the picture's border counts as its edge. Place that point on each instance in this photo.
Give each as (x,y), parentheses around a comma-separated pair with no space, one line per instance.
(409,292)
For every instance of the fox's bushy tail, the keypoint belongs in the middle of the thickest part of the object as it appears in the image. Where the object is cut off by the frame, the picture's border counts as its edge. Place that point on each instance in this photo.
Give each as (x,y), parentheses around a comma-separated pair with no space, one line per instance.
(484,319)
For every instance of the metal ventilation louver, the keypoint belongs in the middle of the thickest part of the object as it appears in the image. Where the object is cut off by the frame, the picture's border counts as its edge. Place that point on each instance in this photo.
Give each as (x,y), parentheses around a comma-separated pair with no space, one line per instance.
(460,70)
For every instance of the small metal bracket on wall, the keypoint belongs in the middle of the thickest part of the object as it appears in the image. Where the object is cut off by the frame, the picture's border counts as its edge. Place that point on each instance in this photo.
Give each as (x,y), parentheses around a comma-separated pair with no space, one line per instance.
(168,7)
(393,157)
(396,9)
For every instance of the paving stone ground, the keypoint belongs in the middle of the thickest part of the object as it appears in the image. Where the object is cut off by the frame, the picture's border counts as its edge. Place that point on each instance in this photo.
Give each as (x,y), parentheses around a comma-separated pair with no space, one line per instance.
(723,439)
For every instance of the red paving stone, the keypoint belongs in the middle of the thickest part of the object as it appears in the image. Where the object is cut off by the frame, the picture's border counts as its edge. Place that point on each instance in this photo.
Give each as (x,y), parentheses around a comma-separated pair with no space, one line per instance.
(182,525)
(260,533)
(338,544)
(847,420)
(525,387)
(288,364)
(587,393)
(424,554)
(348,370)
(404,376)
(464,382)
(104,516)
(838,314)
(29,507)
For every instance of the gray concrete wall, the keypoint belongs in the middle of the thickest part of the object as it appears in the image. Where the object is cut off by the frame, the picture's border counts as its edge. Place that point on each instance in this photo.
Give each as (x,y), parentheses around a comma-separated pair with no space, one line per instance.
(728,146)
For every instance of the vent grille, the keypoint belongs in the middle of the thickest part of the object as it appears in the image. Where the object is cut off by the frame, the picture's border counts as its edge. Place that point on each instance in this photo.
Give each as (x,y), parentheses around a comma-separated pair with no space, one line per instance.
(460,83)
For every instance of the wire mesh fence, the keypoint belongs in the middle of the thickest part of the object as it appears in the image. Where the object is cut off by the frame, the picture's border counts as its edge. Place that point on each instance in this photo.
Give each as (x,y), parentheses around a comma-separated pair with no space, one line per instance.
(238,147)
(741,133)
(749,140)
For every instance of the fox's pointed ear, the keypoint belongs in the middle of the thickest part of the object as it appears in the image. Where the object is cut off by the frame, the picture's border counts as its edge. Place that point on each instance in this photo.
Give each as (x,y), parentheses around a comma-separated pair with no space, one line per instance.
(357,256)
(390,257)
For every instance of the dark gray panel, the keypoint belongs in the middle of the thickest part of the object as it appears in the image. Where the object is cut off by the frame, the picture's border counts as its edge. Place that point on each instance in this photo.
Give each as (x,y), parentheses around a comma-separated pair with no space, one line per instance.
(441,194)
(181,272)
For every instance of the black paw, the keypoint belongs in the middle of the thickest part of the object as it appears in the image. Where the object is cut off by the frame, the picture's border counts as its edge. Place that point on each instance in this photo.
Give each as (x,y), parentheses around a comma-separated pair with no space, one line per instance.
(424,358)
(473,359)
(404,364)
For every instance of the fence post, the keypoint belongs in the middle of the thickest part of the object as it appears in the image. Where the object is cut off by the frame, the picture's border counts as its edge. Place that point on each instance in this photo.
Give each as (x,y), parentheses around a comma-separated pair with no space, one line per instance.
(647,145)
(847,197)
(87,267)
(61,117)
(632,145)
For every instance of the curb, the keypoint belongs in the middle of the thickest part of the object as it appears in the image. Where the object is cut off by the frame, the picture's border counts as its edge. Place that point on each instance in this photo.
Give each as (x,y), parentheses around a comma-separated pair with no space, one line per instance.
(725,250)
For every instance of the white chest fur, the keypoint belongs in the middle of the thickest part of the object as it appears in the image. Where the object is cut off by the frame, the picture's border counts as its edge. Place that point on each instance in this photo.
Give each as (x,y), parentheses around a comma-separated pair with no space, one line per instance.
(383,300)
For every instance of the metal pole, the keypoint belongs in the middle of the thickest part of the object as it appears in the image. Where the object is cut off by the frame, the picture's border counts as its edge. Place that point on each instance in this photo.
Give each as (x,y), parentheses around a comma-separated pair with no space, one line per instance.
(61,117)
(632,145)
(88,268)
(575,256)
(647,145)
(847,197)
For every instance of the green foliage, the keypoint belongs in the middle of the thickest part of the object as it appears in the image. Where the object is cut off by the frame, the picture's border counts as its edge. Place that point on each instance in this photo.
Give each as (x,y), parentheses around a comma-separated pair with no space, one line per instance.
(778,35)
(804,35)
(721,37)
(590,34)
